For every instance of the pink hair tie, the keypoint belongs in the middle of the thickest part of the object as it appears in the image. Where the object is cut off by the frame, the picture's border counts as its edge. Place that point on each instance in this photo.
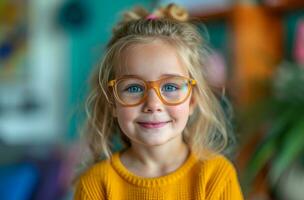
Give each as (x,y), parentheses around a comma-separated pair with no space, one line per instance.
(151,17)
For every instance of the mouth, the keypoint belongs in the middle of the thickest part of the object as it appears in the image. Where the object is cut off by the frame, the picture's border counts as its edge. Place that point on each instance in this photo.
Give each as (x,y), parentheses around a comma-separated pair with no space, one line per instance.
(151,125)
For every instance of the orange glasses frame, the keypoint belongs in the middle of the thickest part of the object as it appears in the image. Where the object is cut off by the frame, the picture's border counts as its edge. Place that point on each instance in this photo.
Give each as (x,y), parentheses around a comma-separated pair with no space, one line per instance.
(150,85)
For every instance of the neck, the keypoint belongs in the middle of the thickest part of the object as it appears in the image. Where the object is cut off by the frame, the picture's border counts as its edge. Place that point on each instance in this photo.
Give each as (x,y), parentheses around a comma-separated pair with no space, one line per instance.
(155,161)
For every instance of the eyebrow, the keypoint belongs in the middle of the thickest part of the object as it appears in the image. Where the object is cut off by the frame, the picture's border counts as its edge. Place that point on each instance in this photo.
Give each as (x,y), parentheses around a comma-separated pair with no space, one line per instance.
(160,77)
(171,74)
(174,74)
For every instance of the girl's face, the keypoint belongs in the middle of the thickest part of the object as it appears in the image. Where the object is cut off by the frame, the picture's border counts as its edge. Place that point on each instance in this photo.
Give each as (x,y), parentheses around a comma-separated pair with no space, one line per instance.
(153,123)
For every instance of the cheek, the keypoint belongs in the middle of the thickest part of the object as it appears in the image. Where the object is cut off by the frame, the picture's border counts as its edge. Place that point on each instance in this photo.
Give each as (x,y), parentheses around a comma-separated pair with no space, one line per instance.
(125,115)
(180,112)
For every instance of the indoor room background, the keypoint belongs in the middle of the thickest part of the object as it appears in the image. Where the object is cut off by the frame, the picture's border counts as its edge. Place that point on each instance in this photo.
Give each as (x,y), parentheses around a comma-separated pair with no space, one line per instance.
(256,69)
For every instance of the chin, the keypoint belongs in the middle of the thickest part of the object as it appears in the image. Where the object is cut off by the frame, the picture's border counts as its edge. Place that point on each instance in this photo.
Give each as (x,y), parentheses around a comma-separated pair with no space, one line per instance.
(157,141)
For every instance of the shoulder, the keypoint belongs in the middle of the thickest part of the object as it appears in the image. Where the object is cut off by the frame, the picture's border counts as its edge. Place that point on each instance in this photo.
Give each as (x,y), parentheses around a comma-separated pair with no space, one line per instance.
(98,171)
(218,165)
(93,180)
(95,174)
(220,179)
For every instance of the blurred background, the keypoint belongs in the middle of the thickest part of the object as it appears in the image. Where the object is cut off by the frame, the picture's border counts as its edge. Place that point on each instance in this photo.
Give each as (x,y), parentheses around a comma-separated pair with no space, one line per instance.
(49,47)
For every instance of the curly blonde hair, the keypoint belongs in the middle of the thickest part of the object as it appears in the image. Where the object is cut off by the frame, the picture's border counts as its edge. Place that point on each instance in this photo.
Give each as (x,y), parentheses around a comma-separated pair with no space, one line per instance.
(205,131)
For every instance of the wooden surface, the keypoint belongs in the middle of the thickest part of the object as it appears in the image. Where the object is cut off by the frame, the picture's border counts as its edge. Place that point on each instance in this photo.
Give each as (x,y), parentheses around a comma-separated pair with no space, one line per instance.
(258,48)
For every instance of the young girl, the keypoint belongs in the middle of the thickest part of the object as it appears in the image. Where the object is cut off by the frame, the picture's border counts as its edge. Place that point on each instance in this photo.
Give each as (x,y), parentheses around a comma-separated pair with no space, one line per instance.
(151,89)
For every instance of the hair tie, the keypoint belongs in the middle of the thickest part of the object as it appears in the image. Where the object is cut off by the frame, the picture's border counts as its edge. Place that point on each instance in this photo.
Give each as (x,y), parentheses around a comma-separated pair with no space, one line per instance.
(151,16)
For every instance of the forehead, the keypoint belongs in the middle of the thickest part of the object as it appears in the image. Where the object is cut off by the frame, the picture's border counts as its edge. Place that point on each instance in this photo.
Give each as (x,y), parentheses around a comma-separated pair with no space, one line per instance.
(151,61)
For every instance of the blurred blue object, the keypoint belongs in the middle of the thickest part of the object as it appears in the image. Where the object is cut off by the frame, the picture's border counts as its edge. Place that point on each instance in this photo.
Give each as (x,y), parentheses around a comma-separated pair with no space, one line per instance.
(6,50)
(17,182)
(49,186)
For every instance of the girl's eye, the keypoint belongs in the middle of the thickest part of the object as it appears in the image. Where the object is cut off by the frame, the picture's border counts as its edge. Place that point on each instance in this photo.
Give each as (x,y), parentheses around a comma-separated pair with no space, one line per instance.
(170,88)
(134,89)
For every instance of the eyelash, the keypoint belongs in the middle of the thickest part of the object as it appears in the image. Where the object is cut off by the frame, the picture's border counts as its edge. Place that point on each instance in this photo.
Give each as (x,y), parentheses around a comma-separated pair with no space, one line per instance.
(133,86)
(170,85)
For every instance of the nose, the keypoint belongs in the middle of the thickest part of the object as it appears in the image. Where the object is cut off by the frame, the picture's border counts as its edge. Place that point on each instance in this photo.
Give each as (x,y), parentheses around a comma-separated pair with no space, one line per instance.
(153,102)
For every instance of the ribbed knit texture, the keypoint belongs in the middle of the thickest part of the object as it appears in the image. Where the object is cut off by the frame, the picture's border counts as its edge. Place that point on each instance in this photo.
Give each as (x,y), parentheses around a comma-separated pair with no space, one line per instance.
(211,179)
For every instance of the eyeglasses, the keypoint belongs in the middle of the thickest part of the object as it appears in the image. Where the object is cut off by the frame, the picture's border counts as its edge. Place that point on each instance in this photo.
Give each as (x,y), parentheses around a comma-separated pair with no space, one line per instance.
(131,90)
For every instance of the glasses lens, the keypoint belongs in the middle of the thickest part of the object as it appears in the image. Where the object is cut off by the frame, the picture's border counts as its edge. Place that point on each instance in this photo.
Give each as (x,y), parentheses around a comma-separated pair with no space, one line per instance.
(131,90)
(175,89)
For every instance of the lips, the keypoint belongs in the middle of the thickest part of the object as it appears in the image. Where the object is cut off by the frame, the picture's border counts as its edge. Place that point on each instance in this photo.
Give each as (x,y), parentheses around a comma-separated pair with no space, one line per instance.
(153,124)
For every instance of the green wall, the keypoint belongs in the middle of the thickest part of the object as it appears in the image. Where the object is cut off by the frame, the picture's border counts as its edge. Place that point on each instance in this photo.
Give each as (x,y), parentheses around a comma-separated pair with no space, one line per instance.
(87,47)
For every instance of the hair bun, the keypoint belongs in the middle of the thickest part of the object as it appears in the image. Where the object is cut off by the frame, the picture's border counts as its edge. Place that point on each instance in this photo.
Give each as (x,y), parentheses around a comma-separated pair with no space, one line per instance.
(172,11)
(177,12)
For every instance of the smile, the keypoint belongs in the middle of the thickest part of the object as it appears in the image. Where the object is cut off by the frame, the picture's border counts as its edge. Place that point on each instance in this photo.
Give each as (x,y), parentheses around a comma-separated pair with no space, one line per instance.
(153,124)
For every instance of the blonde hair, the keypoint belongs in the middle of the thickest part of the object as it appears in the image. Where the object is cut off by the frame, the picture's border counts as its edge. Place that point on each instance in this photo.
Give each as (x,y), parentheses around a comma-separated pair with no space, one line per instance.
(205,131)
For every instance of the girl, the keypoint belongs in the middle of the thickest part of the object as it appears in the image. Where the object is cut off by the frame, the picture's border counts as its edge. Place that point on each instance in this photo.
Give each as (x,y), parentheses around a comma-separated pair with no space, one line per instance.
(150,88)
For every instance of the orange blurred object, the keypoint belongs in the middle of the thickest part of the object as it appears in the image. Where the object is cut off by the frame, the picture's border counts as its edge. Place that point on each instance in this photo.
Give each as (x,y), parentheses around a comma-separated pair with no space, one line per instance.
(258,43)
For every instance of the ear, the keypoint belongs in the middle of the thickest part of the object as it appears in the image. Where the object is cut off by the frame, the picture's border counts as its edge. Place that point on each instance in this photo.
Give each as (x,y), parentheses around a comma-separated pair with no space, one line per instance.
(192,104)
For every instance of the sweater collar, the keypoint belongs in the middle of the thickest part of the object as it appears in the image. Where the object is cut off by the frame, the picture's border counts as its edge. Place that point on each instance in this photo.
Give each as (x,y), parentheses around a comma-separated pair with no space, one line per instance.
(155,181)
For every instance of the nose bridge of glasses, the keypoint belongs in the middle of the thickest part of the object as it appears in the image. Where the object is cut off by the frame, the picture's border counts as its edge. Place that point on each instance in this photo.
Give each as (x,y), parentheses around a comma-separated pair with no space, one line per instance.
(153,85)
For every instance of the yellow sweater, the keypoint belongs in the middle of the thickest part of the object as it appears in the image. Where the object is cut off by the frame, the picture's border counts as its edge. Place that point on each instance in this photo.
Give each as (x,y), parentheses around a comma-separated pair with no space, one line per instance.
(211,179)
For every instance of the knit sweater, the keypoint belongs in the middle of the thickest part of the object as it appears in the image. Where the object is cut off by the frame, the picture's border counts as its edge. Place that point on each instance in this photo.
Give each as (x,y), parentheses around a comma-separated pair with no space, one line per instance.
(212,179)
